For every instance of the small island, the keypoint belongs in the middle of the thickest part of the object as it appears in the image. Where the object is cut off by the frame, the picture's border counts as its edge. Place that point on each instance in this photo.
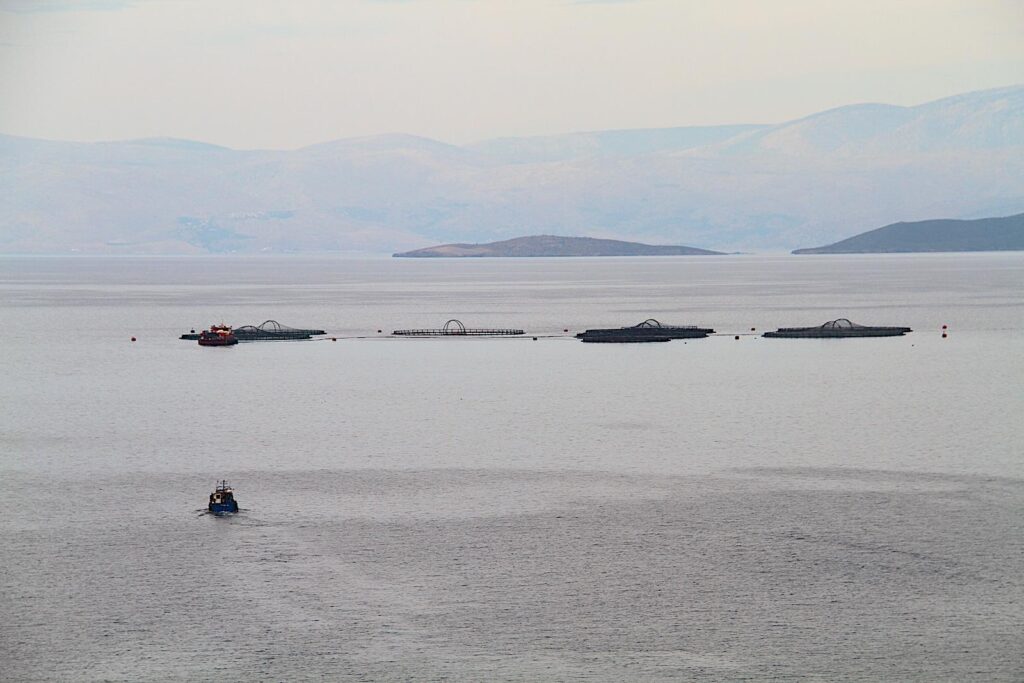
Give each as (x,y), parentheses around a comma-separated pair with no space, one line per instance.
(983,234)
(553,245)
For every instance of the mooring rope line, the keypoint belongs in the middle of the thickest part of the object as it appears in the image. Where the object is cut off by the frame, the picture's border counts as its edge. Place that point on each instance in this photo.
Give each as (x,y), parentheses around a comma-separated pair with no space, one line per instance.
(527,336)
(391,337)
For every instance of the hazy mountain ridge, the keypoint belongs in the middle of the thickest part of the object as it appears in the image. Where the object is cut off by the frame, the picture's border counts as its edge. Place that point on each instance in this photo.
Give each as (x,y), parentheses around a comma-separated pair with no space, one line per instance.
(811,180)
(983,234)
(972,121)
(608,143)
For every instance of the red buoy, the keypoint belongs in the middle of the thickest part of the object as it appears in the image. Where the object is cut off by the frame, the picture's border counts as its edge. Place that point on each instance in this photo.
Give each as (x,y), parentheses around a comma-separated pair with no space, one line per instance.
(133,338)
(334,339)
(737,336)
(943,327)
(378,331)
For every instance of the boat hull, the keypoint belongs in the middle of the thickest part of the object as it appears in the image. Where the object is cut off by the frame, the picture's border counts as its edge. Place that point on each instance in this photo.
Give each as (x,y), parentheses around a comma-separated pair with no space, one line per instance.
(227,508)
(217,335)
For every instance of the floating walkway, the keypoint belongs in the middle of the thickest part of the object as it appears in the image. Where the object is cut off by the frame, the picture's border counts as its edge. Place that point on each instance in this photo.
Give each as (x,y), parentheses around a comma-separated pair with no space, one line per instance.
(835,329)
(269,330)
(454,328)
(649,330)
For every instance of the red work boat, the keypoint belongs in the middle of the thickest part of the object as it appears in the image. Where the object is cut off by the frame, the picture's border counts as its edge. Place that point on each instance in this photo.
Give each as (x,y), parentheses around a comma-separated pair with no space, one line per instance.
(217,335)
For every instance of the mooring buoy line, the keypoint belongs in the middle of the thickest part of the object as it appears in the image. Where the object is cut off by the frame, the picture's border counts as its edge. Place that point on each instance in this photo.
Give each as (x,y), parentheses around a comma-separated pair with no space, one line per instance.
(397,338)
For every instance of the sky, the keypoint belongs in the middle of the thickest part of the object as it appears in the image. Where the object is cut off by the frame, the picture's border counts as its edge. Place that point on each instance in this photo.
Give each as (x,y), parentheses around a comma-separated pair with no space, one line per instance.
(281,75)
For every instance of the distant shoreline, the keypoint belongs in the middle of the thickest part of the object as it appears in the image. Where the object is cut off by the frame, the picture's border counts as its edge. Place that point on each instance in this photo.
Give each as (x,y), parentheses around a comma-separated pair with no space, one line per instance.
(384,256)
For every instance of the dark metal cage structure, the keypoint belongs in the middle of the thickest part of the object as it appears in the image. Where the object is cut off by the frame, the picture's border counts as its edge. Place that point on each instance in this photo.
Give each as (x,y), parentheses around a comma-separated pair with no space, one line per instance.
(271,329)
(455,328)
(841,327)
(648,330)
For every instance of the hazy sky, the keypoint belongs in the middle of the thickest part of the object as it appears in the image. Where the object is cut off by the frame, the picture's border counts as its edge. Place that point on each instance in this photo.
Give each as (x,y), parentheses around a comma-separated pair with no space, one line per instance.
(245,74)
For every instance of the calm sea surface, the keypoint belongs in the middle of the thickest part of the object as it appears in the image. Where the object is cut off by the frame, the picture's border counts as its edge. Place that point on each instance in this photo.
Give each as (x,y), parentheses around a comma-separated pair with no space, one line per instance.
(490,509)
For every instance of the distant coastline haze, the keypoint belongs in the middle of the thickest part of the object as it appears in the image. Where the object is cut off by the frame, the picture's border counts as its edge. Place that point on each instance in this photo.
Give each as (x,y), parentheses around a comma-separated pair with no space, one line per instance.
(754,187)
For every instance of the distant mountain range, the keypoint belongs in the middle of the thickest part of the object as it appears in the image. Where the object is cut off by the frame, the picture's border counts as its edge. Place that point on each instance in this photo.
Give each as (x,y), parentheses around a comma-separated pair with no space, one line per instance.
(984,234)
(749,187)
(552,245)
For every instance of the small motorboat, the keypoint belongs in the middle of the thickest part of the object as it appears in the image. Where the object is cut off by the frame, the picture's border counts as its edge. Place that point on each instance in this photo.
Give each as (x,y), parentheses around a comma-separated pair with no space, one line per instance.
(222,500)
(217,335)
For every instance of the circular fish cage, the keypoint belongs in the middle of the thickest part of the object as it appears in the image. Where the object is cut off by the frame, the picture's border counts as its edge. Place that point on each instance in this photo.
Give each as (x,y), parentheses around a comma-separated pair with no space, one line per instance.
(269,330)
(455,328)
(837,329)
(649,329)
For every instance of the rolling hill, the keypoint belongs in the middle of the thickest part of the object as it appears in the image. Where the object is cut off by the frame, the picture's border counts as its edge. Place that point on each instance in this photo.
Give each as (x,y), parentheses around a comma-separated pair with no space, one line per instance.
(983,234)
(553,245)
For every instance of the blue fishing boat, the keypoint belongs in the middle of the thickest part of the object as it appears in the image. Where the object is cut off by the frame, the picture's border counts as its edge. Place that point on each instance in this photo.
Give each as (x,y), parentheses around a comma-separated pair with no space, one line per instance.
(222,500)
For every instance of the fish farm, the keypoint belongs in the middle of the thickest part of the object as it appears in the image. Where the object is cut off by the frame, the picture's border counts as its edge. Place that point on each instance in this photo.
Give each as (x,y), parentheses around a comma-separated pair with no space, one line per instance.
(269,330)
(454,328)
(834,329)
(649,330)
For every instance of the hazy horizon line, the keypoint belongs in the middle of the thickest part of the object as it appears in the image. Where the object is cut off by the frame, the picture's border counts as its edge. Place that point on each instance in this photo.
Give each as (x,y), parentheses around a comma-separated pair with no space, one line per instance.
(394,133)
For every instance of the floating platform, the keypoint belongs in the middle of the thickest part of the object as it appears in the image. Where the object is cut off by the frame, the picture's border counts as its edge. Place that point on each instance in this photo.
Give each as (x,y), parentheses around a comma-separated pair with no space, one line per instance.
(835,329)
(454,328)
(648,330)
(269,330)
(620,339)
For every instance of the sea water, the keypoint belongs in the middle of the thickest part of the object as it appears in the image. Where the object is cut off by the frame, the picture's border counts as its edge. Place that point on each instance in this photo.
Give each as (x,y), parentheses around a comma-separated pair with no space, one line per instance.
(485,509)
